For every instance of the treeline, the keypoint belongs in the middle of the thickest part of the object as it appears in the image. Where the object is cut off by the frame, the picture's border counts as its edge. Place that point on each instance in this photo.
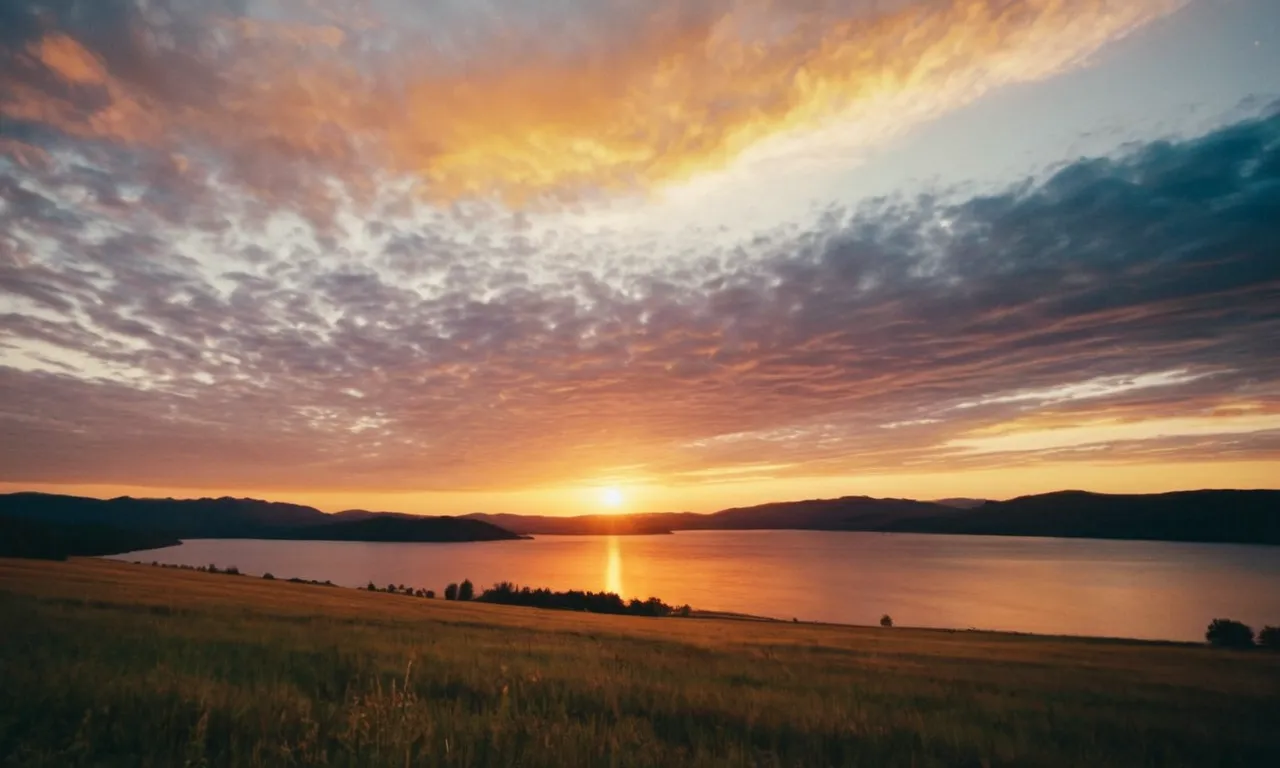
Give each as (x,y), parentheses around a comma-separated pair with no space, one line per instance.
(1227,633)
(232,570)
(506,593)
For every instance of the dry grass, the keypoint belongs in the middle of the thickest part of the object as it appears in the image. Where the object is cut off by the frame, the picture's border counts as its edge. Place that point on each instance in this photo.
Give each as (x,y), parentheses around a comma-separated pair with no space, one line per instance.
(105,663)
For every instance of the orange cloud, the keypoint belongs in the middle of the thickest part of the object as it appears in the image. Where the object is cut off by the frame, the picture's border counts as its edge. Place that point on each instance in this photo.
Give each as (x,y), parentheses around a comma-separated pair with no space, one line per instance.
(70,60)
(673,99)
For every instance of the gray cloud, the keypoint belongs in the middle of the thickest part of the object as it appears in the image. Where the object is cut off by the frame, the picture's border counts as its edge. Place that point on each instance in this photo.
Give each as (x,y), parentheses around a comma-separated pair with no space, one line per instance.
(137,351)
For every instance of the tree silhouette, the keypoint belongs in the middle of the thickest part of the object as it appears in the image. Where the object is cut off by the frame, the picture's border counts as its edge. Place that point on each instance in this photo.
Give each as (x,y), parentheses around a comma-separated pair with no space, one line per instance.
(886,620)
(1269,638)
(1226,633)
(451,592)
(466,591)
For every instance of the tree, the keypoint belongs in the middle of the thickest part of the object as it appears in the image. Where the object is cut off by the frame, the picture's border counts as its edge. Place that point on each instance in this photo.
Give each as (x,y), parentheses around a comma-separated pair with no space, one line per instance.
(886,620)
(451,592)
(1226,633)
(268,576)
(372,587)
(431,594)
(1269,638)
(467,590)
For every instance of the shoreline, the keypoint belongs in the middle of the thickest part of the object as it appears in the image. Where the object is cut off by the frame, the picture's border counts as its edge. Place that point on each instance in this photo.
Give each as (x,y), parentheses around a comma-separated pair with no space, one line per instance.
(694,613)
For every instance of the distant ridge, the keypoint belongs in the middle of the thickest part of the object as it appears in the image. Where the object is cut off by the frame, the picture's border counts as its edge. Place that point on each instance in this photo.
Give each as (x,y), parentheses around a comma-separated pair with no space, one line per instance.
(961,503)
(229,518)
(51,541)
(1226,516)
(1245,517)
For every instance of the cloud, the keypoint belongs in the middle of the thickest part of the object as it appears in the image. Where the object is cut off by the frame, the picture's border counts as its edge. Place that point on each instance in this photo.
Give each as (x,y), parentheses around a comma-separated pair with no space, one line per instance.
(561,101)
(410,353)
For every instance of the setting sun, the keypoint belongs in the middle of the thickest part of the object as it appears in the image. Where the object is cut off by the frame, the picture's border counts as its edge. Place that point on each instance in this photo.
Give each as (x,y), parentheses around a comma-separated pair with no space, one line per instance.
(611,497)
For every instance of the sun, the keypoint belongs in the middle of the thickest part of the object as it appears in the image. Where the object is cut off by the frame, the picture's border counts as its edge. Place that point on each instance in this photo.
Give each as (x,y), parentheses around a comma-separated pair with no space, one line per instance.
(611,497)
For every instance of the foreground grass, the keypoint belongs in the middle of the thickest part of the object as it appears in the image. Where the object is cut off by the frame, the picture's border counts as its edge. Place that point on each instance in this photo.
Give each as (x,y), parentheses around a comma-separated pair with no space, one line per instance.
(105,663)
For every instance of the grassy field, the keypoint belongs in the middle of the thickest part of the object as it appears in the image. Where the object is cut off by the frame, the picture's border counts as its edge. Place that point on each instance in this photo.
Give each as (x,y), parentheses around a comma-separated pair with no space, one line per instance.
(106,663)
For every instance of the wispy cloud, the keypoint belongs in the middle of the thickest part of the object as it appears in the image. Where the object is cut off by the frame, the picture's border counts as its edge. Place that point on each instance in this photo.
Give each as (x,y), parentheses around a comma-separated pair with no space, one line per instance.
(575,100)
(147,337)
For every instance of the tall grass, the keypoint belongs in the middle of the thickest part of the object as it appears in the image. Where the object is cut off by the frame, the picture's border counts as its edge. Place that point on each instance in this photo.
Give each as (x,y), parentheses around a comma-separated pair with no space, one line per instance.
(107,664)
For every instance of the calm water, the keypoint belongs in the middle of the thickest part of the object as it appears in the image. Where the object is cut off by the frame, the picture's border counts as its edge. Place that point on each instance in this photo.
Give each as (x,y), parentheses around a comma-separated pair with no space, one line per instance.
(1060,586)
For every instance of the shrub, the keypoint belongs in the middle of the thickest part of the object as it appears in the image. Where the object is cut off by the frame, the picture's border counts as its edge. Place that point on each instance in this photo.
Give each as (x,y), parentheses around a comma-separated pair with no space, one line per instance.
(372,587)
(232,570)
(886,620)
(451,592)
(685,611)
(506,593)
(268,576)
(466,590)
(431,594)
(1225,633)
(1269,638)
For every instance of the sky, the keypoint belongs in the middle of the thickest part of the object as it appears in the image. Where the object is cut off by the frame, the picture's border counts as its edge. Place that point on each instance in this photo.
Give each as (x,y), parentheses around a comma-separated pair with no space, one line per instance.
(587,255)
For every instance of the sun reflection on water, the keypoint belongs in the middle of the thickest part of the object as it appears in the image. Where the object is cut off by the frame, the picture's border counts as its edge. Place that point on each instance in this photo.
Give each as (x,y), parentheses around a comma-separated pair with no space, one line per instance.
(613,567)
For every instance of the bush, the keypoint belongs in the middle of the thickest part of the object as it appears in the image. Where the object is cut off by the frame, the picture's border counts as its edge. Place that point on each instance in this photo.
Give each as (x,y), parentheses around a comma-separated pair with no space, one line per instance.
(886,620)
(268,576)
(451,592)
(506,593)
(372,587)
(431,594)
(1225,633)
(466,591)
(232,570)
(1269,638)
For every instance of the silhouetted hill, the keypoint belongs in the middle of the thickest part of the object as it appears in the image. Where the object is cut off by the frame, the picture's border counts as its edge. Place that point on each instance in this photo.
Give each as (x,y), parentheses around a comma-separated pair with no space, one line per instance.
(406,528)
(583,525)
(1209,516)
(187,518)
(53,541)
(228,518)
(961,503)
(849,513)
(1247,517)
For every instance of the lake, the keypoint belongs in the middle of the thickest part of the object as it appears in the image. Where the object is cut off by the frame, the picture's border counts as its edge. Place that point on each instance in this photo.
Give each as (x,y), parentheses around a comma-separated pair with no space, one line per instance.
(1137,589)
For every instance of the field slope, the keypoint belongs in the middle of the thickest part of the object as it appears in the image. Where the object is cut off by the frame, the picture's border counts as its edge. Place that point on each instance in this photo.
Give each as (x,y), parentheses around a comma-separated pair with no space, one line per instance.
(106,663)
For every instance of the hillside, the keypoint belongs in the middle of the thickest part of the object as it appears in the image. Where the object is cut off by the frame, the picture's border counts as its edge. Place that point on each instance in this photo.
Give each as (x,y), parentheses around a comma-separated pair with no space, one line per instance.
(1249,517)
(844,514)
(390,528)
(228,518)
(585,525)
(107,663)
(51,541)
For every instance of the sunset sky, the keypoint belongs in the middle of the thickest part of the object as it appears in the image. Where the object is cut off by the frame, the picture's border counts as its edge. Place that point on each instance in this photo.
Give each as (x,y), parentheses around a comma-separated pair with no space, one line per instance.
(576,255)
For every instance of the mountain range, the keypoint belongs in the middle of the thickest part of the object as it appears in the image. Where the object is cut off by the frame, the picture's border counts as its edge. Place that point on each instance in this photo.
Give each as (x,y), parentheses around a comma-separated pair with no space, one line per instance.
(1251,517)
(229,518)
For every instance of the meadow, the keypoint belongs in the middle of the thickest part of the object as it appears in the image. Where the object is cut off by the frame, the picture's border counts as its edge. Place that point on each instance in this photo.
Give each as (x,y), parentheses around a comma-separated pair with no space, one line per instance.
(111,664)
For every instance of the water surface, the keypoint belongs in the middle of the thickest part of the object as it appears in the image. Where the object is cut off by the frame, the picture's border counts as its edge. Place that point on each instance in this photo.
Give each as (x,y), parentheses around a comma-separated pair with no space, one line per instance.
(1138,589)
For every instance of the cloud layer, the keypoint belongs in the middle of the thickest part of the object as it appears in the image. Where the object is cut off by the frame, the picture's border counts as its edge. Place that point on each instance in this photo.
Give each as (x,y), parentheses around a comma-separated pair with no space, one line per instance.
(316,104)
(162,331)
